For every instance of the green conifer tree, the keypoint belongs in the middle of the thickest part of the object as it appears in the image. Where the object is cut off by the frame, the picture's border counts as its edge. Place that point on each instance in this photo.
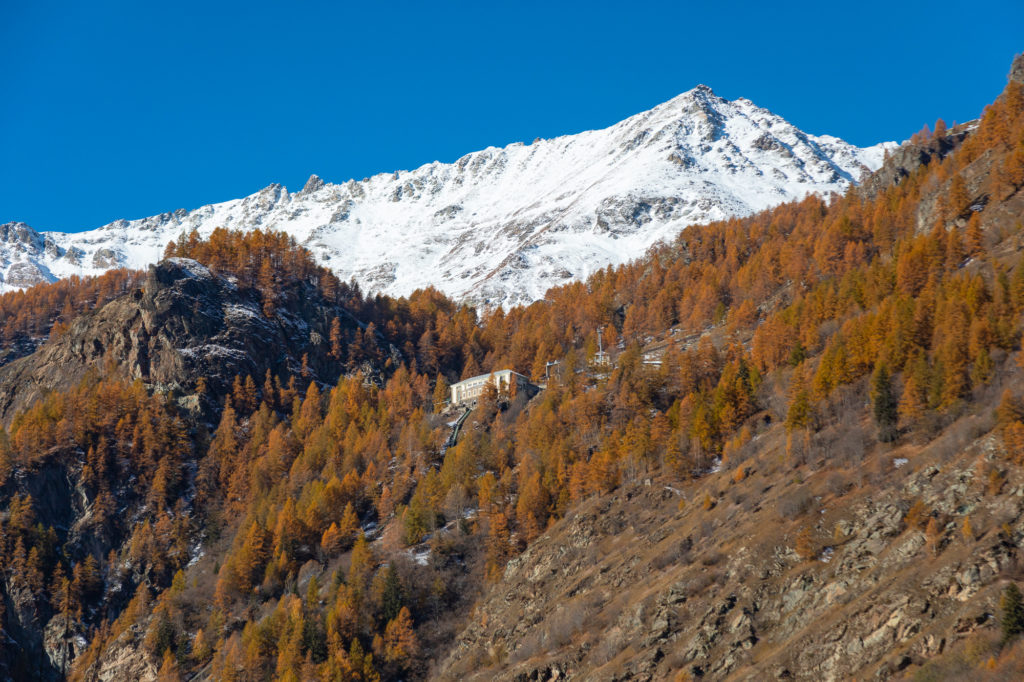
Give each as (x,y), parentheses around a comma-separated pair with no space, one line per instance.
(884,404)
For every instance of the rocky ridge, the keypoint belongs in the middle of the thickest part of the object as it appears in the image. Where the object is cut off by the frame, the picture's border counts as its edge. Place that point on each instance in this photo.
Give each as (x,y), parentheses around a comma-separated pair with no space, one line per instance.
(501,225)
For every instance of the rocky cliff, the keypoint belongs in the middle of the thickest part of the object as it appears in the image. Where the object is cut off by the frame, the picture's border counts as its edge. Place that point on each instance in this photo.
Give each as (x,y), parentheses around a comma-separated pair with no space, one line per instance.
(183,324)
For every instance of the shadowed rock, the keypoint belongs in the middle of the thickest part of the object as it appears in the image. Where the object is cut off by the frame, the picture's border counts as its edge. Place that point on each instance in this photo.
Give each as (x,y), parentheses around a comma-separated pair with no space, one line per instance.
(185,323)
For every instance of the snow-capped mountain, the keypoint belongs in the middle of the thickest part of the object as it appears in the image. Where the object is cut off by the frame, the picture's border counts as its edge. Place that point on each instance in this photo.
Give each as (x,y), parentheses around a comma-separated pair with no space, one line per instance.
(501,225)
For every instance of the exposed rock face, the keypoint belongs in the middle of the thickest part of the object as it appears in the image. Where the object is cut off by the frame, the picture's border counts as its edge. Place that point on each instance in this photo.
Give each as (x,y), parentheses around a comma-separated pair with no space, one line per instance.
(47,643)
(104,259)
(903,161)
(123,660)
(1017,69)
(22,654)
(185,323)
(62,643)
(19,238)
(25,274)
(23,252)
(313,184)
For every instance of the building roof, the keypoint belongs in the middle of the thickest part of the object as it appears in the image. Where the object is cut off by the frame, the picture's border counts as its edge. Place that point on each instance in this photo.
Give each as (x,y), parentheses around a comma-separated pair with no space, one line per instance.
(488,376)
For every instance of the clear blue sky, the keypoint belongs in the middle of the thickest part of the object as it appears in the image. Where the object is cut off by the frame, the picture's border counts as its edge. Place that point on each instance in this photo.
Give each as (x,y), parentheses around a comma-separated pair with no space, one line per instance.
(126,109)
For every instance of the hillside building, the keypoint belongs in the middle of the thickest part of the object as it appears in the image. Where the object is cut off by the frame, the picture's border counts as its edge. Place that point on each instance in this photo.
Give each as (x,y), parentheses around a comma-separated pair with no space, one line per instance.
(470,389)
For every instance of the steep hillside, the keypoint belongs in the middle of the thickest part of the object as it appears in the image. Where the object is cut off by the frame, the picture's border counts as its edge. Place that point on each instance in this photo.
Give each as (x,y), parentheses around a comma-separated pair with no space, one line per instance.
(501,225)
(856,561)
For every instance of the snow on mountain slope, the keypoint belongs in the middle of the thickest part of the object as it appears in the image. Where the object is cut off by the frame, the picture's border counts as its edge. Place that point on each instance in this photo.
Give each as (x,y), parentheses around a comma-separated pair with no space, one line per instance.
(501,225)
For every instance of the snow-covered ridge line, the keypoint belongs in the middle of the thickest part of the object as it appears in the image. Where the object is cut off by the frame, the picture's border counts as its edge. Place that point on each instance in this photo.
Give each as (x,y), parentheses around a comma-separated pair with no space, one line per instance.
(501,225)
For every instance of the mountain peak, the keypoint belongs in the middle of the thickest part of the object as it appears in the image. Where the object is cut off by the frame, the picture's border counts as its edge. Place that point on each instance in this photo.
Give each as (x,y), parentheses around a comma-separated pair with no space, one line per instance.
(313,184)
(700,94)
(501,226)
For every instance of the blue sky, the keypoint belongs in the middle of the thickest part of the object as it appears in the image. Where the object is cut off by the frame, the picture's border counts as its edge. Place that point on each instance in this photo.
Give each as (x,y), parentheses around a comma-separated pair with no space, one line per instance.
(126,109)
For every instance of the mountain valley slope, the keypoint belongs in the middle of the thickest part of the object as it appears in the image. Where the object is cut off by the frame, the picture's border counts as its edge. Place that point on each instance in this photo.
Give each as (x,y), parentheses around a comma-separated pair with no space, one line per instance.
(806,460)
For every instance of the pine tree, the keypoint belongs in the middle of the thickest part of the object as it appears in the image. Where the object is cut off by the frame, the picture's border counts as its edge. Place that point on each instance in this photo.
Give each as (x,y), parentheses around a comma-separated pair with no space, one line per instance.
(916,381)
(933,532)
(336,340)
(1010,409)
(489,402)
(604,472)
(250,394)
(884,404)
(532,506)
(916,516)
(441,394)
(348,526)
(5,460)
(266,282)
(361,566)
(34,572)
(805,544)
(61,597)
(270,395)
(974,239)
(400,643)
(330,541)
(253,556)
(169,671)
(201,648)
(161,633)
(499,548)
(1012,605)
(954,251)
(958,198)
(87,581)
(800,412)
(391,598)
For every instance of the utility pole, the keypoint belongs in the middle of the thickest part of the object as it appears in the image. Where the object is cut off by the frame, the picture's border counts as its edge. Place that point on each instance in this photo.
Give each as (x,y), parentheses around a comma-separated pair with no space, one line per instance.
(601,359)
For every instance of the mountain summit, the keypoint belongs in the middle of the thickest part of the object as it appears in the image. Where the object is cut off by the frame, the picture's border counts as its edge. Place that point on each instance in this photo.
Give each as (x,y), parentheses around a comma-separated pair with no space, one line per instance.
(501,226)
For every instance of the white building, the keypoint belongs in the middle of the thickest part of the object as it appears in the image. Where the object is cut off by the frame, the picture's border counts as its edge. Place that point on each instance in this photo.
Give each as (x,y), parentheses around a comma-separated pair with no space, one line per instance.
(470,389)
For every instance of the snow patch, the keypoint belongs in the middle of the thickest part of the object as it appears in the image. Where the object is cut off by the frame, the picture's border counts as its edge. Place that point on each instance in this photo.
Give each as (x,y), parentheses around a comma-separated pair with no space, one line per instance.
(192,268)
(420,555)
(242,311)
(212,350)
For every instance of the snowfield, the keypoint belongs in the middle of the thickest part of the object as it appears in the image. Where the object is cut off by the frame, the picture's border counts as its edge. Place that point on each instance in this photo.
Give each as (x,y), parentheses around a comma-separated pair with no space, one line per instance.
(501,226)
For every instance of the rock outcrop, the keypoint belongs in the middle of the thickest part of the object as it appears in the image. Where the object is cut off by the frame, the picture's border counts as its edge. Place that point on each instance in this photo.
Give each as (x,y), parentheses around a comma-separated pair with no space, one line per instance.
(901,162)
(1017,69)
(183,324)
